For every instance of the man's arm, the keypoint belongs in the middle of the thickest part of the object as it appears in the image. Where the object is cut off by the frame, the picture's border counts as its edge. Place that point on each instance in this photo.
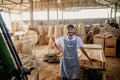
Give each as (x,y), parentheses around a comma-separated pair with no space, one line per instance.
(61,51)
(55,45)
(84,52)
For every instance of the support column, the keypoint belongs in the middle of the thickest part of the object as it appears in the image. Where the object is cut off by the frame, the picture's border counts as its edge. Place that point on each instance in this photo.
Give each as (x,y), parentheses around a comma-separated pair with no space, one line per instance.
(31,14)
(62,17)
(57,16)
(111,13)
(115,10)
(10,20)
(48,12)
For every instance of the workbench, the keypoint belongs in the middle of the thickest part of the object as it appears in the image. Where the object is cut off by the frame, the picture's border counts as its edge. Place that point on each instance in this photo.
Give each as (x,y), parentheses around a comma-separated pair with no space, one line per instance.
(94,51)
(95,70)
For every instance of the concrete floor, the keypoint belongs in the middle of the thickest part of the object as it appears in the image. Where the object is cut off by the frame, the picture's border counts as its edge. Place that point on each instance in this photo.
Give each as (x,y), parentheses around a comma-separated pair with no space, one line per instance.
(51,71)
(112,68)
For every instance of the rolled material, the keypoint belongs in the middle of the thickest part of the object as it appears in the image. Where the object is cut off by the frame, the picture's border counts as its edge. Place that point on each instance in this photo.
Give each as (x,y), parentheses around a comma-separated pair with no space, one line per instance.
(57,31)
(82,32)
(51,41)
(31,36)
(50,31)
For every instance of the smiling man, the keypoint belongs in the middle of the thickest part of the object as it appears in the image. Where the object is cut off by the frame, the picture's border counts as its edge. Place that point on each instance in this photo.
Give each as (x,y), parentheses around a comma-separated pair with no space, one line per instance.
(69,62)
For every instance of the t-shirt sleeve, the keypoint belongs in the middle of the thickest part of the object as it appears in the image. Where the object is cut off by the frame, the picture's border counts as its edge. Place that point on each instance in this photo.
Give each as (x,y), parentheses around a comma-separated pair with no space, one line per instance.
(59,41)
(79,42)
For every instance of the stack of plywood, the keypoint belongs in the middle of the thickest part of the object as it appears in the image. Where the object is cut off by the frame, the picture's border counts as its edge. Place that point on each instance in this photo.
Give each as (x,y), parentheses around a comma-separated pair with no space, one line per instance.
(110,47)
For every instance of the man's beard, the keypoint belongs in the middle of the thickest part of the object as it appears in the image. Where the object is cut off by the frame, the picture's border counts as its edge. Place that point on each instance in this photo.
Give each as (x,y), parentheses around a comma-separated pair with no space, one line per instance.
(71,33)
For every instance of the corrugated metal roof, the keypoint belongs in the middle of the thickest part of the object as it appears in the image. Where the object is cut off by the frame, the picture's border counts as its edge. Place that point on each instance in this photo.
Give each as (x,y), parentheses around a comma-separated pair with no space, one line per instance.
(17,6)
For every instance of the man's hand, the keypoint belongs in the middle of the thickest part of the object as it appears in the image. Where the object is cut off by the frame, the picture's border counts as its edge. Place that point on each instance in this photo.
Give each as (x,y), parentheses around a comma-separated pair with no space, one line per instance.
(61,54)
(92,60)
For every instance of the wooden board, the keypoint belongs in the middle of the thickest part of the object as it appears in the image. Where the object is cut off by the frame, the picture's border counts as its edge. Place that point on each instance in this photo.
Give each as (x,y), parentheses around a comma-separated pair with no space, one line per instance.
(111,52)
(110,42)
(93,46)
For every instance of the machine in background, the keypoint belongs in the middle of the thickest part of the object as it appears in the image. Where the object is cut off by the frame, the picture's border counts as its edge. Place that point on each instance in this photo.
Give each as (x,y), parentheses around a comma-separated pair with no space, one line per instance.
(11,67)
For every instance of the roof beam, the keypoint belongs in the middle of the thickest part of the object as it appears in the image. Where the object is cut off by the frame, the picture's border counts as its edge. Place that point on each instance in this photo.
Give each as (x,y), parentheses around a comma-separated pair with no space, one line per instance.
(8,7)
(12,1)
(42,2)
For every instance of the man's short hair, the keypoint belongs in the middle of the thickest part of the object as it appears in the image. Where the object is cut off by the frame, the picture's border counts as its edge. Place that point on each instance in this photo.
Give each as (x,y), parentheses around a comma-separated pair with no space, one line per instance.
(70,26)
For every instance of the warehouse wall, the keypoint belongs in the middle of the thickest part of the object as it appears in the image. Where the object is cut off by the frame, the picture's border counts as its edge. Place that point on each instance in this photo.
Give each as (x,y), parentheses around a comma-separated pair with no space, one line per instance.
(71,21)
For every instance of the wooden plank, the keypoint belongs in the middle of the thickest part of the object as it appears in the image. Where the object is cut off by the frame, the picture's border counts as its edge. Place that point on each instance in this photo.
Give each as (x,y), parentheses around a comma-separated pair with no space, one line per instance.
(93,46)
(111,52)
(19,33)
(110,42)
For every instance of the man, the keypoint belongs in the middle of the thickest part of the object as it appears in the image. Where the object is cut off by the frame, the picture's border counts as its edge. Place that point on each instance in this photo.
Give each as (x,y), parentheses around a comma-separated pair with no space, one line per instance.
(69,62)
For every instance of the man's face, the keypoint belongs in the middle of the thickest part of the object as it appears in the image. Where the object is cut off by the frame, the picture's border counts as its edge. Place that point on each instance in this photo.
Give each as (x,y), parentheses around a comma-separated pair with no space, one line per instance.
(70,31)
